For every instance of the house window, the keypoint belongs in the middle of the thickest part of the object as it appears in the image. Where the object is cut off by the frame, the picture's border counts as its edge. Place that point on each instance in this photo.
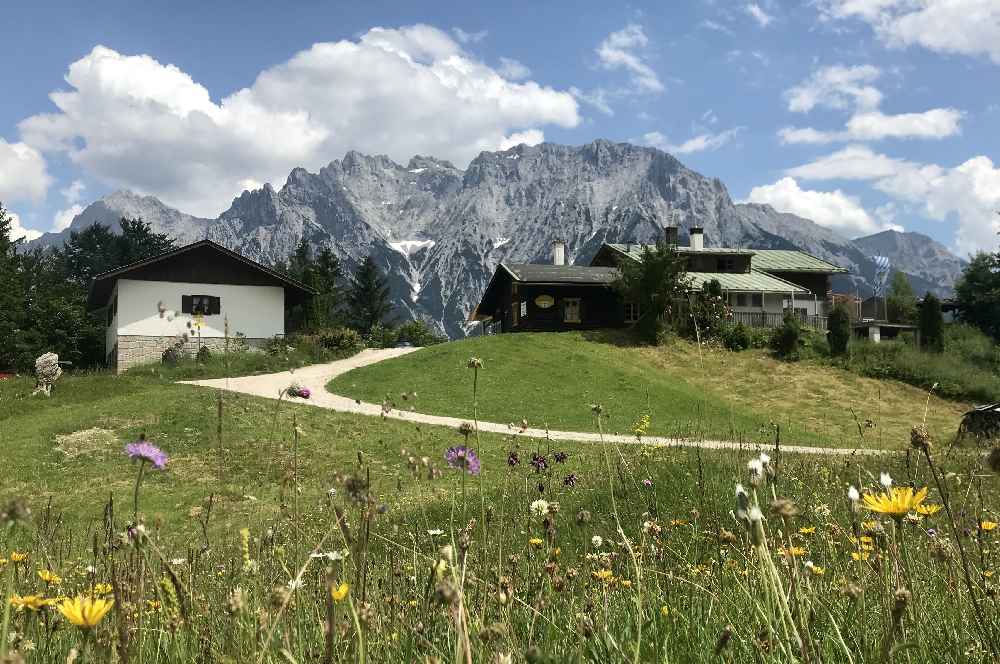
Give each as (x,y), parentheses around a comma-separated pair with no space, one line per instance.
(757,300)
(631,312)
(741,300)
(571,310)
(201,305)
(726,264)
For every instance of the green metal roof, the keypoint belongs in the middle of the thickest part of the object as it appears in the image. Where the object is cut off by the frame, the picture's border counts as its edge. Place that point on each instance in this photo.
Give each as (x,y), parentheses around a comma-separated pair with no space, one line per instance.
(752,281)
(560,274)
(790,260)
(634,251)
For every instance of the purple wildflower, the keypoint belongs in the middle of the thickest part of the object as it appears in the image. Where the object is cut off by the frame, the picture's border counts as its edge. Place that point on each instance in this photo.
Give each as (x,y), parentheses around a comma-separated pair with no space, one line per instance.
(561,457)
(539,462)
(304,393)
(463,458)
(570,480)
(146,451)
(647,482)
(513,459)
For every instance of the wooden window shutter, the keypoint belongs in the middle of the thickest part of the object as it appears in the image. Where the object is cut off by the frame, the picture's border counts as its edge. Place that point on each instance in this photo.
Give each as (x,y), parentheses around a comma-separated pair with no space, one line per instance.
(185,304)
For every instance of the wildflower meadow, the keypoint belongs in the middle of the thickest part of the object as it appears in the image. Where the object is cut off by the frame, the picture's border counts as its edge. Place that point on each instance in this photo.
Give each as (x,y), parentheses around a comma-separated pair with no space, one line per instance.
(391,542)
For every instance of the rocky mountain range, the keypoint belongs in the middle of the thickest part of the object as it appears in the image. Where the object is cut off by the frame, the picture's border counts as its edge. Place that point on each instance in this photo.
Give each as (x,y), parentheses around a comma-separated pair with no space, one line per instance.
(439,231)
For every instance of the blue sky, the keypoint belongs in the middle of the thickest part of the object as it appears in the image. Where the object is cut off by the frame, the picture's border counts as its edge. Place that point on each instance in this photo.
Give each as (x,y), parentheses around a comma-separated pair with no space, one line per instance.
(859,114)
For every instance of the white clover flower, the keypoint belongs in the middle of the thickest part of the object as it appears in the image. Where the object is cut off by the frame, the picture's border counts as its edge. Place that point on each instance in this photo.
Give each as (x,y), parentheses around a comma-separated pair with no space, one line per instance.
(540,507)
(853,495)
(435,532)
(295,584)
(885,480)
(596,541)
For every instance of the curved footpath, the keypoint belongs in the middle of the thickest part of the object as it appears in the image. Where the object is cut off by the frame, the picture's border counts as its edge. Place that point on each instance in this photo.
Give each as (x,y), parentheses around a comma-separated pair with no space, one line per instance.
(315,377)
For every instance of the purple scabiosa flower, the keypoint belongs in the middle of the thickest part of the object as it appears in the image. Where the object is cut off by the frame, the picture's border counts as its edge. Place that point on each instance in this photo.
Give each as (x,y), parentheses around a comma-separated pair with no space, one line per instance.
(146,451)
(463,458)
(513,459)
(570,480)
(538,462)
(561,457)
(304,393)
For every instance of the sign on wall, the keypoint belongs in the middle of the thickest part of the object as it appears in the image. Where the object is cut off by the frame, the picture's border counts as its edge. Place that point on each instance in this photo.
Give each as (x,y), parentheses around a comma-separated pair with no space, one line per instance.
(544,301)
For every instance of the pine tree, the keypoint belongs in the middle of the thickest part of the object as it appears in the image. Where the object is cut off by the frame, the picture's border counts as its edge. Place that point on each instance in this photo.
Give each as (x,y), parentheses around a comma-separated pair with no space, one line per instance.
(839,334)
(11,294)
(977,293)
(656,285)
(368,299)
(901,302)
(931,324)
(325,280)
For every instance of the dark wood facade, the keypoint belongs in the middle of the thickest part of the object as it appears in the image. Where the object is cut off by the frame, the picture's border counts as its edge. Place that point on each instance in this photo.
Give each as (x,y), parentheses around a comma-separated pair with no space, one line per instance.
(818,283)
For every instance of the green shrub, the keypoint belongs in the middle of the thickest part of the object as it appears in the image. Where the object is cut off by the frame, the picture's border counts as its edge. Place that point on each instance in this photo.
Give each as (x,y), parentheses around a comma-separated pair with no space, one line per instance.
(737,337)
(972,345)
(931,324)
(171,356)
(341,339)
(787,339)
(839,326)
(417,333)
(380,336)
(204,354)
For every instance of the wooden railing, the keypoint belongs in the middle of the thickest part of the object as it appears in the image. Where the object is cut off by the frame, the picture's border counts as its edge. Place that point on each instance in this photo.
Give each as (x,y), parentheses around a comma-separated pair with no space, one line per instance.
(766,319)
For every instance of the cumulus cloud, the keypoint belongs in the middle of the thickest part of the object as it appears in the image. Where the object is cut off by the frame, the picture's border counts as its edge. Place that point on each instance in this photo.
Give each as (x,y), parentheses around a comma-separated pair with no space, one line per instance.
(758,14)
(18,231)
(529,137)
(469,37)
(513,69)
(133,122)
(599,98)
(840,87)
(968,193)
(74,191)
(63,218)
(703,142)
(833,209)
(967,27)
(622,50)
(23,173)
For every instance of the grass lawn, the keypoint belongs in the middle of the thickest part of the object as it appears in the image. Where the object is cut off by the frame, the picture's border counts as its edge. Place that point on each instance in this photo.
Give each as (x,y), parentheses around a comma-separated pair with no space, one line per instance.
(551,378)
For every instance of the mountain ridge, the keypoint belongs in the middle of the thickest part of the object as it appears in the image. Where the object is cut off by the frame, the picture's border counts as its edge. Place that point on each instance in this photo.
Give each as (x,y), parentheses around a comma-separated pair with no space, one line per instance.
(439,231)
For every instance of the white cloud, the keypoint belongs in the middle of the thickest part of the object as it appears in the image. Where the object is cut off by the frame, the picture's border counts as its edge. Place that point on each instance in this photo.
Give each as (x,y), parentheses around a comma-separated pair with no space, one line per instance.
(19,232)
(833,209)
(469,37)
(967,27)
(968,193)
(702,142)
(836,87)
(529,137)
(23,174)
(74,192)
(840,87)
(620,50)
(64,218)
(513,69)
(716,26)
(599,98)
(133,122)
(762,17)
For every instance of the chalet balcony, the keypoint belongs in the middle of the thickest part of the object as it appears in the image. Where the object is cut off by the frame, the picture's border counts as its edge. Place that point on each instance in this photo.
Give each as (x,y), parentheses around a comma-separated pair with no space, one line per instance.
(765,319)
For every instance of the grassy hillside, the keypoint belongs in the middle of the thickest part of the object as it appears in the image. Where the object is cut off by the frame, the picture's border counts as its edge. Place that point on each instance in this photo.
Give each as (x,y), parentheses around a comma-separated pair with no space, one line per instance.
(549,379)
(552,584)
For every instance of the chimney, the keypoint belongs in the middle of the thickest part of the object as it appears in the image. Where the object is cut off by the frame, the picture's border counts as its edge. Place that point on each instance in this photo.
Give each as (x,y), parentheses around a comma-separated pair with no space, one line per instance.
(697,235)
(558,252)
(670,235)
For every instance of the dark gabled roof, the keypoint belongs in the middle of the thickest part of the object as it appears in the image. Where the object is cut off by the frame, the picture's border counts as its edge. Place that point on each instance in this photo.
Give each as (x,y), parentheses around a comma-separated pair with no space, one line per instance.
(560,274)
(104,283)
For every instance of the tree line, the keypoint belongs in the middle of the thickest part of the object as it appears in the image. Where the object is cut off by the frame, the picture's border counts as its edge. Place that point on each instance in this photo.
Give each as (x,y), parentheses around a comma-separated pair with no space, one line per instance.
(43,291)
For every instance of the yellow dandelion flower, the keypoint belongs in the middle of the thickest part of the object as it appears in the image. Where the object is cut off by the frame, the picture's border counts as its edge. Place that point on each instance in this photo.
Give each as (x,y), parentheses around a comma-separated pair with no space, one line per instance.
(536,542)
(664,611)
(31,602)
(815,570)
(811,530)
(626,583)
(412,603)
(603,575)
(929,509)
(154,605)
(49,577)
(988,573)
(18,557)
(896,502)
(85,612)
(103,589)
(869,525)
(339,594)
(987,525)
(678,522)
(794,551)
(860,555)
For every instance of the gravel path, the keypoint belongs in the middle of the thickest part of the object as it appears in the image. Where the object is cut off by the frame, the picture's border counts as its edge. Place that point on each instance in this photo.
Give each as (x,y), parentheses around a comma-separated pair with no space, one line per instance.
(315,377)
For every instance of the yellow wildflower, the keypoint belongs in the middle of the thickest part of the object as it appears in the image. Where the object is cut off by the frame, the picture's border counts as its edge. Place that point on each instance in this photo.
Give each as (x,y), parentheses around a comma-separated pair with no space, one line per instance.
(103,589)
(154,605)
(929,509)
(664,611)
(814,569)
(626,583)
(85,612)
(32,602)
(896,502)
(811,530)
(794,551)
(49,577)
(18,557)
(536,542)
(987,525)
(678,522)
(869,525)
(603,575)
(339,594)
(863,555)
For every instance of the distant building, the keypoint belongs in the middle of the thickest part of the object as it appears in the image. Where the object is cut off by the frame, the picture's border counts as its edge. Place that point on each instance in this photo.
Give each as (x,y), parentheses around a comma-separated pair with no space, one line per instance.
(184,297)
(759,285)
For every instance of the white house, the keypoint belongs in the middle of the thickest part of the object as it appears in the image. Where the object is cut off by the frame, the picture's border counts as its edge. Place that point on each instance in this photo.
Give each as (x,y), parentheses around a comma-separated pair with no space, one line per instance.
(186,297)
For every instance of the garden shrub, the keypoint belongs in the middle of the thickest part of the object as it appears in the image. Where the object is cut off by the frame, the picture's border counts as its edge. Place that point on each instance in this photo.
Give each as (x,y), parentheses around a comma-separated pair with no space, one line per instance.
(204,354)
(839,330)
(787,339)
(340,339)
(171,356)
(417,333)
(737,337)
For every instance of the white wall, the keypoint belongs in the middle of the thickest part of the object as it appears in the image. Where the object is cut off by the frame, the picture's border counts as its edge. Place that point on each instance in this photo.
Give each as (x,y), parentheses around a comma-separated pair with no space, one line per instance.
(256,311)
(774,303)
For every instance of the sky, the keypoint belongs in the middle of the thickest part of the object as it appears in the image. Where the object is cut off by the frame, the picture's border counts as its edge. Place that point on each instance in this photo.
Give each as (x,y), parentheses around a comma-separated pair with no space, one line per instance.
(862,115)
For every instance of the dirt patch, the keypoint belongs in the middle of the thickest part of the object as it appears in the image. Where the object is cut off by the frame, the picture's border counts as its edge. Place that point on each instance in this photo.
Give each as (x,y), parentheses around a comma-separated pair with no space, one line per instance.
(87,441)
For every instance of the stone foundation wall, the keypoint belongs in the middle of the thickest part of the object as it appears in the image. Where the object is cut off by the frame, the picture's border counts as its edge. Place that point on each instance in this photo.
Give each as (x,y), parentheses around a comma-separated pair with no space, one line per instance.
(133,351)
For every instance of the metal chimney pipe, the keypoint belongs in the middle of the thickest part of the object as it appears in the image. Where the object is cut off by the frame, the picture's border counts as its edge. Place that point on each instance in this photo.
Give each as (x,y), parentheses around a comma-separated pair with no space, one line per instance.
(558,252)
